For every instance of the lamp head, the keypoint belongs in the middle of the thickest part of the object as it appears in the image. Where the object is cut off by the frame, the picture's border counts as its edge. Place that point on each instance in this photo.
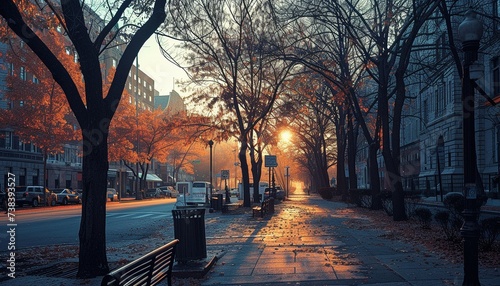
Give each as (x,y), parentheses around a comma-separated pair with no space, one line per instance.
(471,29)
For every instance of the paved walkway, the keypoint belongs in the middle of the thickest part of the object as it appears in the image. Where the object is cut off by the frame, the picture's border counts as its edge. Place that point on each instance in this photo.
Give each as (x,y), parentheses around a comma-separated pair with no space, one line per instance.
(307,243)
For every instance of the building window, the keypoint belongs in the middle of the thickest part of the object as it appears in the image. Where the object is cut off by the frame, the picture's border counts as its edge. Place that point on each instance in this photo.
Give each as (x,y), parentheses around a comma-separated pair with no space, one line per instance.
(441,47)
(8,140)
(114,63)
(494,137)
(440,100)
(496,77)
(425,114)
(450,92)
(22,74)
(35,80)
(11,69)
(496,14)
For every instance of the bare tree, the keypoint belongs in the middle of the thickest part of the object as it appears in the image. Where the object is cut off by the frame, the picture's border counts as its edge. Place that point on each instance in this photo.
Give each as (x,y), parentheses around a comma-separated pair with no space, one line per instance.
(233,47)
(325,47)
(93,110)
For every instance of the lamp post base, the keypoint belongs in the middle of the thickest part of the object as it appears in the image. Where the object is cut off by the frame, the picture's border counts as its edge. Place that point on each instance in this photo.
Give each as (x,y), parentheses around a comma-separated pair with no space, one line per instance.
(470,233)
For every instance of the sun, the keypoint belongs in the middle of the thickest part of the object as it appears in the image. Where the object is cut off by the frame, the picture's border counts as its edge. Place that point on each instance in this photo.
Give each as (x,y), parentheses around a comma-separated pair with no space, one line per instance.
(286,136)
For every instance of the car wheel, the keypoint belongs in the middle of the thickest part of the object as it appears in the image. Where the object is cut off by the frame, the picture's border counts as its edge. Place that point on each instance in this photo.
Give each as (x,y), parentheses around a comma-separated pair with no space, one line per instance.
(34,203)
(52,203)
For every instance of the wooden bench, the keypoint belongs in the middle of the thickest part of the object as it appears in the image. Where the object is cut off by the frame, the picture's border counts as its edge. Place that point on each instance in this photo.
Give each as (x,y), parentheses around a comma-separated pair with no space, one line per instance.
(228,207)
(262,209)
(149,269)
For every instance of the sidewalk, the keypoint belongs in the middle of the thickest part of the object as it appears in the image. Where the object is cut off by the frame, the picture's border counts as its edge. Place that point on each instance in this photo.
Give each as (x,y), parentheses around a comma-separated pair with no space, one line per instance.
(306,243)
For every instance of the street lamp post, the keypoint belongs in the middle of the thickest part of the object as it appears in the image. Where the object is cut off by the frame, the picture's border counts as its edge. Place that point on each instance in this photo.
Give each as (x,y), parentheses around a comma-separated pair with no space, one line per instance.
(470,32)
(287,175)
(211,143)
(137,183)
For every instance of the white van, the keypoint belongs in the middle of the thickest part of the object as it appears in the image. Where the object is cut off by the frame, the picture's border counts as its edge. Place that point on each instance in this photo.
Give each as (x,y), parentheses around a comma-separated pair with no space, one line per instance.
(192,193)
(263,185)
(200,193)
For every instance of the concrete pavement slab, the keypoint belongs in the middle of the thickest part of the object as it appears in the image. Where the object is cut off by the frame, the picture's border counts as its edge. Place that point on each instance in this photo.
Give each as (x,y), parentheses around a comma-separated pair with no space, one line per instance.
(306,242)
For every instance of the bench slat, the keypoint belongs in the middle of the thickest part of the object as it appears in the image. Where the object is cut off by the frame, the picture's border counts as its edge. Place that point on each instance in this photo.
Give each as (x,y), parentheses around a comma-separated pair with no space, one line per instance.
(147,270)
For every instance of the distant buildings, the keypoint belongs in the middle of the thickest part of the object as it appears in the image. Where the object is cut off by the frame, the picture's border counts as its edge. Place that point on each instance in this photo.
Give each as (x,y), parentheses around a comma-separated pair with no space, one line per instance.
(173,103)
(25,160)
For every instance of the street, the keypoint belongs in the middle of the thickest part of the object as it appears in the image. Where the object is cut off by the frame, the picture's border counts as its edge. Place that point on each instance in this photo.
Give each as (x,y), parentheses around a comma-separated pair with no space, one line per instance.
(131,220)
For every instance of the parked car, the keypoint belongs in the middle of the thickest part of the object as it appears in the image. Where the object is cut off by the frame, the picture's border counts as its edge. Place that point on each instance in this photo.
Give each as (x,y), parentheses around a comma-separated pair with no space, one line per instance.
(66,196)
(150,193)
(280,193)
(35,196)
(234,192)
(167,191)
(112,195)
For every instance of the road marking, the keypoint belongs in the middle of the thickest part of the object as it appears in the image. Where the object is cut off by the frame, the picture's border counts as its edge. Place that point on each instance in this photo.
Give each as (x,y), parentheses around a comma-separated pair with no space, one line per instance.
(143,216)
(138,215)
(122,215)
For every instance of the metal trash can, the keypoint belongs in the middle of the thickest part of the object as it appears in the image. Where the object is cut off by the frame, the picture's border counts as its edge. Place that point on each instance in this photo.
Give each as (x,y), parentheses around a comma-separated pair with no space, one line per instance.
(189,228)
(271,205)
(216,202)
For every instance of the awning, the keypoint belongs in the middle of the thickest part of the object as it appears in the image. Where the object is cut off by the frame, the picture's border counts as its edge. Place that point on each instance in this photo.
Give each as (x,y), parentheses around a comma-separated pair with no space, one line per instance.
(152,178)
(453,171)
(428,173)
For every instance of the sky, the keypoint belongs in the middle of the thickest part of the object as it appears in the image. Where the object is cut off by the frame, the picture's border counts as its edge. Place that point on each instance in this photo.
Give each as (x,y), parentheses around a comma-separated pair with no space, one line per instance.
(152,62)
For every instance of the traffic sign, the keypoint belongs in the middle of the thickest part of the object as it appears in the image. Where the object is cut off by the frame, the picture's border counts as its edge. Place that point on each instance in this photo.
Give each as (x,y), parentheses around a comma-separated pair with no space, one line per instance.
(224,174)
(270,161)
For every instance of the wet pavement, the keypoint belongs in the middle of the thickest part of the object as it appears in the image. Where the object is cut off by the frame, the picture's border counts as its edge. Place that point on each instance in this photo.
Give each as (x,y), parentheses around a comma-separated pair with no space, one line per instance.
(307,242)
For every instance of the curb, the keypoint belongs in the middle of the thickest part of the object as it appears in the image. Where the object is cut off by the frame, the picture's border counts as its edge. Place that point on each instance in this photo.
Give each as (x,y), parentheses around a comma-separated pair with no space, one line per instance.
(194,269)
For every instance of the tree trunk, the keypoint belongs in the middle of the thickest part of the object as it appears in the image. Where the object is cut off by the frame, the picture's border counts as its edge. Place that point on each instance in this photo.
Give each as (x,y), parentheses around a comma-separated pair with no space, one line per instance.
(244,174)
(256,174)
(352,149)
(341,176)
(92,256)
(374,177)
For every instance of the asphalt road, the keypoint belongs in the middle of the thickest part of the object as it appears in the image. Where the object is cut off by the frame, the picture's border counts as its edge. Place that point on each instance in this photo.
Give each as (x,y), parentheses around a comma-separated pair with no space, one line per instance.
(60,224)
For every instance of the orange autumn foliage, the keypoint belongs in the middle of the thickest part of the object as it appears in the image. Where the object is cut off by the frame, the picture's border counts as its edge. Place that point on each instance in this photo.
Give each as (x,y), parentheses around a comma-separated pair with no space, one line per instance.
(39,111)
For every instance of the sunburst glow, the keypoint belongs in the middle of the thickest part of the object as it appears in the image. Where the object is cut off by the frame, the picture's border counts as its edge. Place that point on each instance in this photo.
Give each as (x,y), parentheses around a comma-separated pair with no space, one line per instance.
(286,136)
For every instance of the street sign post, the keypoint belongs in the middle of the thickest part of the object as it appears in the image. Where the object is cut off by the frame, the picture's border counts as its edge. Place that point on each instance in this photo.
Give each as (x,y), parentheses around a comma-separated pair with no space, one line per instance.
(270,161)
